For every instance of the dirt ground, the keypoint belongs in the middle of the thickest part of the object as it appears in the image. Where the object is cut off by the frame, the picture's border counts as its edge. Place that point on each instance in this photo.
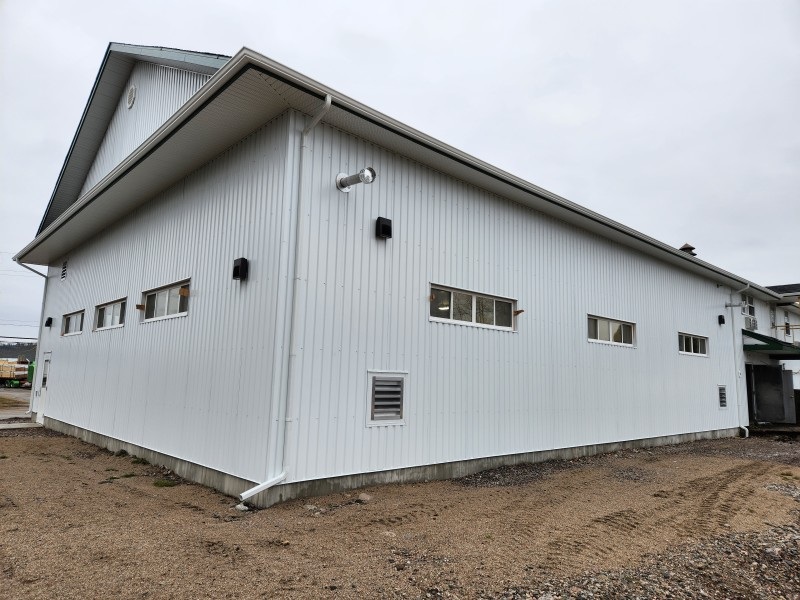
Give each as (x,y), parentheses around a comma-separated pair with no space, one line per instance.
(14,398)
(708,519)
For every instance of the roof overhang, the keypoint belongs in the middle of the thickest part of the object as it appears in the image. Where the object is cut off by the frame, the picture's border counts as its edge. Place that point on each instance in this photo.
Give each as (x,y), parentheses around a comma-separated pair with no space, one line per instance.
(773,347)
(251,90)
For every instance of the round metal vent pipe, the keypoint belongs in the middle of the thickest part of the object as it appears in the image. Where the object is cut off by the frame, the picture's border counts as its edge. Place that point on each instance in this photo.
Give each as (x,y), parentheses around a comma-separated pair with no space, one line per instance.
(344,182)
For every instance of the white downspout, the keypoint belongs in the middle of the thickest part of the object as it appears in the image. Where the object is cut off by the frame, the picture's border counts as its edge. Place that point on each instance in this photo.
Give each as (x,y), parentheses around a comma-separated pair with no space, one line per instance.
(39,337)
(737,374)
(300,278)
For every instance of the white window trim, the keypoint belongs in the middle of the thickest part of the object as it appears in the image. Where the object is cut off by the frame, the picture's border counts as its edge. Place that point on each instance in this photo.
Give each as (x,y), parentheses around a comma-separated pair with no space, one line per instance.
(747,302)
(609,342)
(106,304)
(473,323)
(386,422)
(166,317)
(72,314)
(177,284)
(694,335)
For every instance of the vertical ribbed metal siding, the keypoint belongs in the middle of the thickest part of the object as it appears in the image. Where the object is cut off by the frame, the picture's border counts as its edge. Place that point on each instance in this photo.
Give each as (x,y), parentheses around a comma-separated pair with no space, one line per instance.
(160,91)
(473,392)
(196,387)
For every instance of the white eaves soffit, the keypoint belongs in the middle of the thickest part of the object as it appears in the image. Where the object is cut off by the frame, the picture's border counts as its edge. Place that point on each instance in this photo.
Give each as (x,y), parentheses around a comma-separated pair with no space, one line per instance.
(249,91)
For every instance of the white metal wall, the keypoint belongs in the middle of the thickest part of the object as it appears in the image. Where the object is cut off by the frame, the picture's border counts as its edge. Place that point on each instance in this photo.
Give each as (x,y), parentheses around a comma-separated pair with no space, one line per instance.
(201,387)
(160,91)
(197,387)
(474,392)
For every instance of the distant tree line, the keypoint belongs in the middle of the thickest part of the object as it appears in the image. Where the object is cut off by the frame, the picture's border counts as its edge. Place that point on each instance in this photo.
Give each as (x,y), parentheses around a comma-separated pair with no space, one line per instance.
(18,350)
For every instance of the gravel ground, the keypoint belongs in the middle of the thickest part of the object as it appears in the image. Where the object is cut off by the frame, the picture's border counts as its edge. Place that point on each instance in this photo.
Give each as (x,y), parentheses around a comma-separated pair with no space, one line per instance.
(716,519)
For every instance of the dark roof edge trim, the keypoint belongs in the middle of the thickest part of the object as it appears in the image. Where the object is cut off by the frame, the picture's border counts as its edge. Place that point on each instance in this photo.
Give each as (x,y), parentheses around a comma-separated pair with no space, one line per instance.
(206,60)
(75,138)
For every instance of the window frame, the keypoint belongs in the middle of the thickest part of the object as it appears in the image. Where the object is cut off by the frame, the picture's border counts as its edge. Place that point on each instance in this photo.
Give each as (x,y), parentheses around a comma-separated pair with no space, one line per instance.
(692,336)
(610,320)
(123,308)
(67,317)
(166,288)
(370,422)
(748,305)
(475,295)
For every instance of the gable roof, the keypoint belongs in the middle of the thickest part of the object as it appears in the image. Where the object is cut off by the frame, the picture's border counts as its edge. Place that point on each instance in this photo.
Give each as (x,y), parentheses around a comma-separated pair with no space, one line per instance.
(114,72)
(223,112)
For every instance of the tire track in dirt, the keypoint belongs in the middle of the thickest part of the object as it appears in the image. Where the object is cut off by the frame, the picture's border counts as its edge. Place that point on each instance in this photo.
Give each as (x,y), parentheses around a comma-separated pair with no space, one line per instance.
(698,507)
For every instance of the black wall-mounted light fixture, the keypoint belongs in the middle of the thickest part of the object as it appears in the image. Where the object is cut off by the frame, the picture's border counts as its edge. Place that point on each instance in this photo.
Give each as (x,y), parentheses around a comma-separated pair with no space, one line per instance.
(48,322)
(240,269)
(383,228)
(721,319)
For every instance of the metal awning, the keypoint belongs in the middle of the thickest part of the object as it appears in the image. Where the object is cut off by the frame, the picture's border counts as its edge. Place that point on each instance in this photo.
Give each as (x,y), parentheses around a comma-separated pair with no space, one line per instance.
(775,348)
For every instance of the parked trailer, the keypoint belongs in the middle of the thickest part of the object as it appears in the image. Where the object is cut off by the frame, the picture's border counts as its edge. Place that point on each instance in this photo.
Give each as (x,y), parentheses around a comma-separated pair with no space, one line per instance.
(13,373)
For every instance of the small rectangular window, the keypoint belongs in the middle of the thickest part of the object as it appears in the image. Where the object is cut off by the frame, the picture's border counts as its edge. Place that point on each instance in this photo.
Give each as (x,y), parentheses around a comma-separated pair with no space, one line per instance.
(692,344)
(171,301)
(111,314)
(748,305)
(787,326)
(610,330)
(470,307)
(72,323)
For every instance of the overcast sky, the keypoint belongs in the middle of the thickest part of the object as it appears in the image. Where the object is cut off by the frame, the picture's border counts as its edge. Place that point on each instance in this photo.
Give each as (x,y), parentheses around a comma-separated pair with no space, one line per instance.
(680,119)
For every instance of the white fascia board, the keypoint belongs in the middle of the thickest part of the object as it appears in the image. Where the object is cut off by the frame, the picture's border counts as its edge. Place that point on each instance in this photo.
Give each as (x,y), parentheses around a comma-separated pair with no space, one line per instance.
(540,198)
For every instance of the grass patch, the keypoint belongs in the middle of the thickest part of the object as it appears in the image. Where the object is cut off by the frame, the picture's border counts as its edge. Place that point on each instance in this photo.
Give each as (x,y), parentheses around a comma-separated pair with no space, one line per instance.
(139,461)
(127,475)
(111,469)
(165,483)
(2,456)
(121,452)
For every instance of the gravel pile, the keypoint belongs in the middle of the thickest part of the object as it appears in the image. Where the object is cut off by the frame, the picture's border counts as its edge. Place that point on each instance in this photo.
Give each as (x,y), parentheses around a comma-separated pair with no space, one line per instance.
(764,565)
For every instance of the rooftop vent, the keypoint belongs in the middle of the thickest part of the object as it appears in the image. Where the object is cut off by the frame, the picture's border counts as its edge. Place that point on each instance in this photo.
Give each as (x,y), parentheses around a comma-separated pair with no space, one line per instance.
(689,249)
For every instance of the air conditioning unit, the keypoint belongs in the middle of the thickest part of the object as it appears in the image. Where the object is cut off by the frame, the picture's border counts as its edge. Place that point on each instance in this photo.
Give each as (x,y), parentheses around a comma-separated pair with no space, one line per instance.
(750,323)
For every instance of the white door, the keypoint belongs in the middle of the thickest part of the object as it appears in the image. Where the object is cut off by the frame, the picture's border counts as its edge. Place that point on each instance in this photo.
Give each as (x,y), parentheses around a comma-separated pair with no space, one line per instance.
(43,387)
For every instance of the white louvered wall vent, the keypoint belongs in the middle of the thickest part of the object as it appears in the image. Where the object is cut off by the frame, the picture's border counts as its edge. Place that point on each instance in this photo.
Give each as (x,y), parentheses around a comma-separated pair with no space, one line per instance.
(386,399)
(131,96)
(723,397)
(63,270)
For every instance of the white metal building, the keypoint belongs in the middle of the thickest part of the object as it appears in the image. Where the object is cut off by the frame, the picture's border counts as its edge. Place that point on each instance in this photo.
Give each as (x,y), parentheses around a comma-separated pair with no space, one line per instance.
(445,318)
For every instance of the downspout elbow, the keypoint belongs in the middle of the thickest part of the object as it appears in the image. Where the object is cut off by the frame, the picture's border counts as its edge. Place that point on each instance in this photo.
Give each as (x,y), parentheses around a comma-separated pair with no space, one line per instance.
(262,486)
